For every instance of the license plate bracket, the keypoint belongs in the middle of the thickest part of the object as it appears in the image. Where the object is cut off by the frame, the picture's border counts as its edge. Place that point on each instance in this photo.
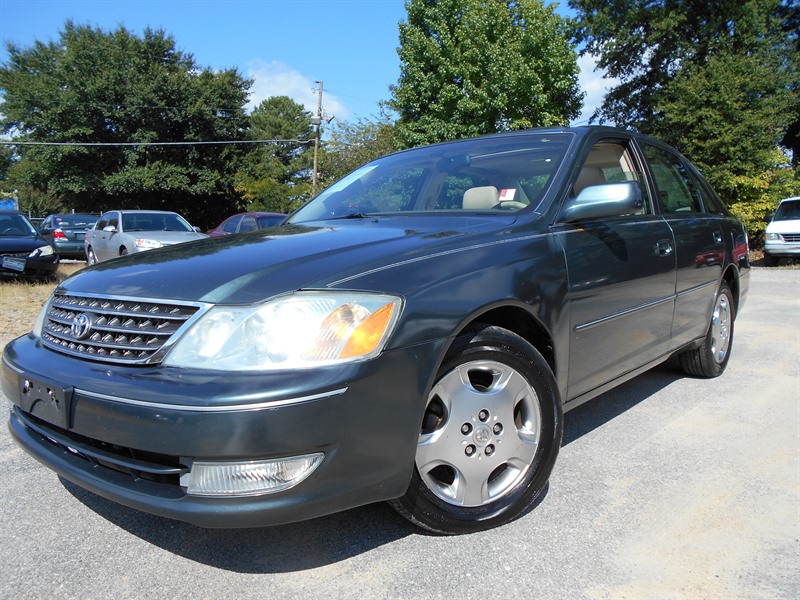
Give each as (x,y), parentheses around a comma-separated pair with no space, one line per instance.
(49,402)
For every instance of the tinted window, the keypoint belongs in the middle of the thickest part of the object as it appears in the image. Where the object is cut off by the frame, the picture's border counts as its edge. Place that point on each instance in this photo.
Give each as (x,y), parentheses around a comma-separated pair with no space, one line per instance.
(787,211)
(248,224)
(678,190)
(154,222)
(264,222)
(229,226)
(102,222)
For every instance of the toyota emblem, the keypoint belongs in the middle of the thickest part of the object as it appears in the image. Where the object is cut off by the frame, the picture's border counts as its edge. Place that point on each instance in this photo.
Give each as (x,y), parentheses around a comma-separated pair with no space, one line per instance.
(81,326)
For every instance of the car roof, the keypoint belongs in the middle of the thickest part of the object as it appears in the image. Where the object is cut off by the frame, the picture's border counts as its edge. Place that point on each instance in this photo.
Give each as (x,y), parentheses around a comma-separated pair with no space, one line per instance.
(72,215)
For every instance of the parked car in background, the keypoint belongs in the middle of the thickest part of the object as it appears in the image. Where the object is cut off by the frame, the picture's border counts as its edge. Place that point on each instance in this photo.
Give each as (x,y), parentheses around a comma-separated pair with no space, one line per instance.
(249,221)
(65,232)
(412,334)
(23,251)
(782,237)
(120,232)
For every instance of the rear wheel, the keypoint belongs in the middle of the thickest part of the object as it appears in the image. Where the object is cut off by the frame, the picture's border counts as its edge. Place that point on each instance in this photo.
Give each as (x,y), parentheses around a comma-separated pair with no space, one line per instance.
(711,358)
(489,437)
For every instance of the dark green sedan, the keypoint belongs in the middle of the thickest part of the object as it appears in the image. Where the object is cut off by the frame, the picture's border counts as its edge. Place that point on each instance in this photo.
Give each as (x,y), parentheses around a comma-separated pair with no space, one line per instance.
(413,334)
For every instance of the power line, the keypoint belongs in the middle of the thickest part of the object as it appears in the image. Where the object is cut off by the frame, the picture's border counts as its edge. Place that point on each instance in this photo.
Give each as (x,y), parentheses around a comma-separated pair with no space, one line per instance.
(199,143)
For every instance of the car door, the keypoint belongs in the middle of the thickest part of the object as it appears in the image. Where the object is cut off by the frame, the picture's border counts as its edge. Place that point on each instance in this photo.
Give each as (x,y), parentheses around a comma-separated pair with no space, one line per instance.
(621,275)
(699,247)
(102,241)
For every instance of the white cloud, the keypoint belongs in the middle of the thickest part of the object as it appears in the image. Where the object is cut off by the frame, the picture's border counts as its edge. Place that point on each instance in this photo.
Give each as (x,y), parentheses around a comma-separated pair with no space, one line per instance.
(592,82)
(277,79)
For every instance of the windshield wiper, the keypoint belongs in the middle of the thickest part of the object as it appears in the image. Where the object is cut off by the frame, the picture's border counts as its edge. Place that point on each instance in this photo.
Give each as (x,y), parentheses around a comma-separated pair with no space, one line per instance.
(352,215)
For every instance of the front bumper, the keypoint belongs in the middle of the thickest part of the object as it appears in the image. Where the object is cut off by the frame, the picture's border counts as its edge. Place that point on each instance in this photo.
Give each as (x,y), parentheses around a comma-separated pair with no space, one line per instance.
(36,267)
(128,433)
(782,249)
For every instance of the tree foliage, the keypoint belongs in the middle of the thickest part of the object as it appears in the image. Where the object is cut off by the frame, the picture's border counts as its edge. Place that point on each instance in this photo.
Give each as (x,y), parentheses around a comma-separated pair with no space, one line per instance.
(275,177)
(350,145)
(470,67)
(96,87)
(718,80)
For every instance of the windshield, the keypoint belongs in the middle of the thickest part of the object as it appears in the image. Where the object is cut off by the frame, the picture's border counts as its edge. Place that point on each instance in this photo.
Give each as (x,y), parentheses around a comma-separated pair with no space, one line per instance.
(154,222)
(11,225)
(490,174)
(788,211)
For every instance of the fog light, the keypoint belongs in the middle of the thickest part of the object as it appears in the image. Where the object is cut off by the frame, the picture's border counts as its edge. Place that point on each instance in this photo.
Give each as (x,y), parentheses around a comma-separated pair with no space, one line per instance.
(249,478)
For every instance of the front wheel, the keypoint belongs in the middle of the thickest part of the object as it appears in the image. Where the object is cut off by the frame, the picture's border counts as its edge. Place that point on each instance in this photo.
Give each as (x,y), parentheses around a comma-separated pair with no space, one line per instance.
(91,258)
(489,437)
(711,358)
(769,260)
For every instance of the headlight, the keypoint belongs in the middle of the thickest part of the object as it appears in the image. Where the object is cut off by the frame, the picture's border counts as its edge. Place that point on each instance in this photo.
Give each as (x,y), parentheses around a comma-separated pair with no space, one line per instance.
(46,250)
(774,237)
(39,324)
(306,329)
(145,244)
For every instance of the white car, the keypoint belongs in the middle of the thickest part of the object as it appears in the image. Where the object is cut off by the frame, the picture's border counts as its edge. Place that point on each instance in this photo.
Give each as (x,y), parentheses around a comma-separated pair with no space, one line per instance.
(782,239)
(120,232)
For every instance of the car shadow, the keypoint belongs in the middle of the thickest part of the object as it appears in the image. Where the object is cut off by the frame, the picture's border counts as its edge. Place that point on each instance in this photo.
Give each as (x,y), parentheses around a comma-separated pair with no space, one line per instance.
(329,540)
(600,410)
(279,549)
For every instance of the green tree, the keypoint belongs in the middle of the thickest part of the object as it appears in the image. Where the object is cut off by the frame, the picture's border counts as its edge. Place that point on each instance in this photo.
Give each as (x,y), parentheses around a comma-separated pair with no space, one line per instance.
(96,87)
(470,67)
(729,115)
(276,175)
(706,76)
(350,145)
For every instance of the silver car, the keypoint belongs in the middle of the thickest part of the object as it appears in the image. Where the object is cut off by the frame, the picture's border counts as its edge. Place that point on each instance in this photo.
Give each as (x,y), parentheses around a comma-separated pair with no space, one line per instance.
(120,232)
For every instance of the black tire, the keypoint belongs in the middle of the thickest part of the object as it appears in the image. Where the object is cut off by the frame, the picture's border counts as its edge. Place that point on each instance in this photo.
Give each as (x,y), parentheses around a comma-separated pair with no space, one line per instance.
(711,358)
(91,259)
(123,251)
(489,438)
(769,260)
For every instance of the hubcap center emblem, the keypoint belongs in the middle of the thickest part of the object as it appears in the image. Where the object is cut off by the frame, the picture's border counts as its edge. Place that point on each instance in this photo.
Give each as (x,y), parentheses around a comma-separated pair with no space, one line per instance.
(482,434)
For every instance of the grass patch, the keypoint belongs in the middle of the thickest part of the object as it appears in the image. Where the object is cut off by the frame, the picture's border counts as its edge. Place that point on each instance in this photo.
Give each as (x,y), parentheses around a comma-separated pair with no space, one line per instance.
(21,301)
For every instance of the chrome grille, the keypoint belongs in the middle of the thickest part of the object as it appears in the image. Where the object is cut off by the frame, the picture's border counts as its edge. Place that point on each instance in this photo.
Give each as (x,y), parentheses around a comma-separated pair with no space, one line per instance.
(791,237)
(122,330)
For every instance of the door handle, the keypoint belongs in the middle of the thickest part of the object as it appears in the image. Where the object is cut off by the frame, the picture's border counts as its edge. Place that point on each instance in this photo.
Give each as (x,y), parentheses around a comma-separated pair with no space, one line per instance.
(664,247)
(717,237)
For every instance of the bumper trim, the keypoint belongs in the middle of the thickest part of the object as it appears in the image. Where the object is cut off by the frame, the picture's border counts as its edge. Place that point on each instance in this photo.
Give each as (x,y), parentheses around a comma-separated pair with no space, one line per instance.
(213,409)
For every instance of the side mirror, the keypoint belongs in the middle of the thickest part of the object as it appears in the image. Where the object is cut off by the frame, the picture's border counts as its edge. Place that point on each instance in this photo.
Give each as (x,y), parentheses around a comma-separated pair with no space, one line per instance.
(604,200)
(109,228)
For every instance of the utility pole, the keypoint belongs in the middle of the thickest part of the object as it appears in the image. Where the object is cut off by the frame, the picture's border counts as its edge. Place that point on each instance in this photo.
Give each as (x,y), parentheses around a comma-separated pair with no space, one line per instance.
(317,120)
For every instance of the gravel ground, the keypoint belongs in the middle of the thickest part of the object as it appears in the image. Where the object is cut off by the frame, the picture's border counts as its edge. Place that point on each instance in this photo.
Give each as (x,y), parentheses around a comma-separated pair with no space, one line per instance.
(667,487)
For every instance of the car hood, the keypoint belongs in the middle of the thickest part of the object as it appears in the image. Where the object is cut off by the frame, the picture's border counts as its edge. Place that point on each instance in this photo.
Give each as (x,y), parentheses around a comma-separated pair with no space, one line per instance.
(21,243)
(251,267)
(784,226)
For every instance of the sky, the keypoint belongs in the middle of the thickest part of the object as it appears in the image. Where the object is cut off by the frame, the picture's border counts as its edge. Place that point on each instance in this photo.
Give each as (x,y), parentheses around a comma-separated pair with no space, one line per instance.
(285,46)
